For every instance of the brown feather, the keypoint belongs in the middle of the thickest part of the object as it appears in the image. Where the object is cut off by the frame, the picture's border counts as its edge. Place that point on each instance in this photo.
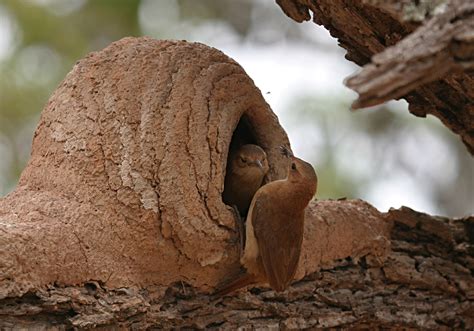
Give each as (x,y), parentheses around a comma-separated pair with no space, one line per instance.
(279,235)
(241,282)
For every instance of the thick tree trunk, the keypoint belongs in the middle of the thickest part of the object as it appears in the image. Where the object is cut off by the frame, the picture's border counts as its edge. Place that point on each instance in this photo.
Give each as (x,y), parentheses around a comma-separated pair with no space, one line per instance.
(422,51)
(118,218)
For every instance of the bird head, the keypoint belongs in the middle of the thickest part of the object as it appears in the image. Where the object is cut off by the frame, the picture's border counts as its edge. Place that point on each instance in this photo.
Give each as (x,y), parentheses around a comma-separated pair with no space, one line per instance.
(252,158)
(300,171)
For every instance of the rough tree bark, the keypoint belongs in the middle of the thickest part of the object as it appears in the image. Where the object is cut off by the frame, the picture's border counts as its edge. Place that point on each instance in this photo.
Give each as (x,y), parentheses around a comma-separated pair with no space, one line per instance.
(118,218)
(422,51)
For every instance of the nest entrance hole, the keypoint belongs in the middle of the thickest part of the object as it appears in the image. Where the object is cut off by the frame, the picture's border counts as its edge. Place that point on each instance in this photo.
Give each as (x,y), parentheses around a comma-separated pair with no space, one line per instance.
(243,134)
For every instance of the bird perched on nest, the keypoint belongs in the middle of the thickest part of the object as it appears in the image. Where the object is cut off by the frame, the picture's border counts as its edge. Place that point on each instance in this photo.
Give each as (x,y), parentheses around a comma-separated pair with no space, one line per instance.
(274,229)
(246,170)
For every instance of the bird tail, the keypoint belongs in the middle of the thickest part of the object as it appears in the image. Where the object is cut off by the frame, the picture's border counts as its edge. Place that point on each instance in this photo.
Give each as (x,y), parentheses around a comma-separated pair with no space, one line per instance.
(240,282)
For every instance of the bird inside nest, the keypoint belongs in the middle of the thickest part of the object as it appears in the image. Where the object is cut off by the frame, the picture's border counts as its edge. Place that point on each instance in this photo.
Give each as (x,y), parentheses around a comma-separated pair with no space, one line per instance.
(246,170)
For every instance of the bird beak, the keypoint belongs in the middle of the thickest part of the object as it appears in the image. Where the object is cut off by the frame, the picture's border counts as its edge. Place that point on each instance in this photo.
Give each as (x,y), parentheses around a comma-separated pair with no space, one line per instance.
(259,164)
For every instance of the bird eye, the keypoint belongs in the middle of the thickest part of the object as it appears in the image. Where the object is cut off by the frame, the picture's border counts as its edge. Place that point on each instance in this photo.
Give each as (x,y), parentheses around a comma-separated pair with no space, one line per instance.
(243,159)
(293,166)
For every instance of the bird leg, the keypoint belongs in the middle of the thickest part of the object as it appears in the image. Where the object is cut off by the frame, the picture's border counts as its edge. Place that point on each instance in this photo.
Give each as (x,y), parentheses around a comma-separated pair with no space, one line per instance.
(240,229)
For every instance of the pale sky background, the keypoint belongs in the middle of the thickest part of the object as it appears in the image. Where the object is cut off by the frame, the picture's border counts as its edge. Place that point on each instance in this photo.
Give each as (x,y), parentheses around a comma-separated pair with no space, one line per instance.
(285,70)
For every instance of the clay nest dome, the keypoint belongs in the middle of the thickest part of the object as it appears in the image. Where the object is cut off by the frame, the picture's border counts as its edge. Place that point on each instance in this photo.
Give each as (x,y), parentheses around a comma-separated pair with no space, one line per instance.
(127,170)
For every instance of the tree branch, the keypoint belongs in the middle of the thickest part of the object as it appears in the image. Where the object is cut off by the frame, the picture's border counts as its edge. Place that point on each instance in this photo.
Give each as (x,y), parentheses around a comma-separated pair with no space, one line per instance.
(430,65)
(442,45)
(425,281)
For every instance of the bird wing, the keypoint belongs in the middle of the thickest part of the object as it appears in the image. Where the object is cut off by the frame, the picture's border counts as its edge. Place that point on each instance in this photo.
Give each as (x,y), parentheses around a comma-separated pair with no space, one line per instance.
(279,235)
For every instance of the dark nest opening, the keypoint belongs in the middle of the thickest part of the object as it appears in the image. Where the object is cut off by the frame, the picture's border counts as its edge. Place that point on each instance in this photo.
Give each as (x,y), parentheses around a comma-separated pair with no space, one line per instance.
(243,134)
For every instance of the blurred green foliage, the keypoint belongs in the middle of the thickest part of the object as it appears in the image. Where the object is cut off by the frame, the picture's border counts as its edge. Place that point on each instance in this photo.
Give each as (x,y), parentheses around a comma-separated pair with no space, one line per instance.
(355,154)
(45,46)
